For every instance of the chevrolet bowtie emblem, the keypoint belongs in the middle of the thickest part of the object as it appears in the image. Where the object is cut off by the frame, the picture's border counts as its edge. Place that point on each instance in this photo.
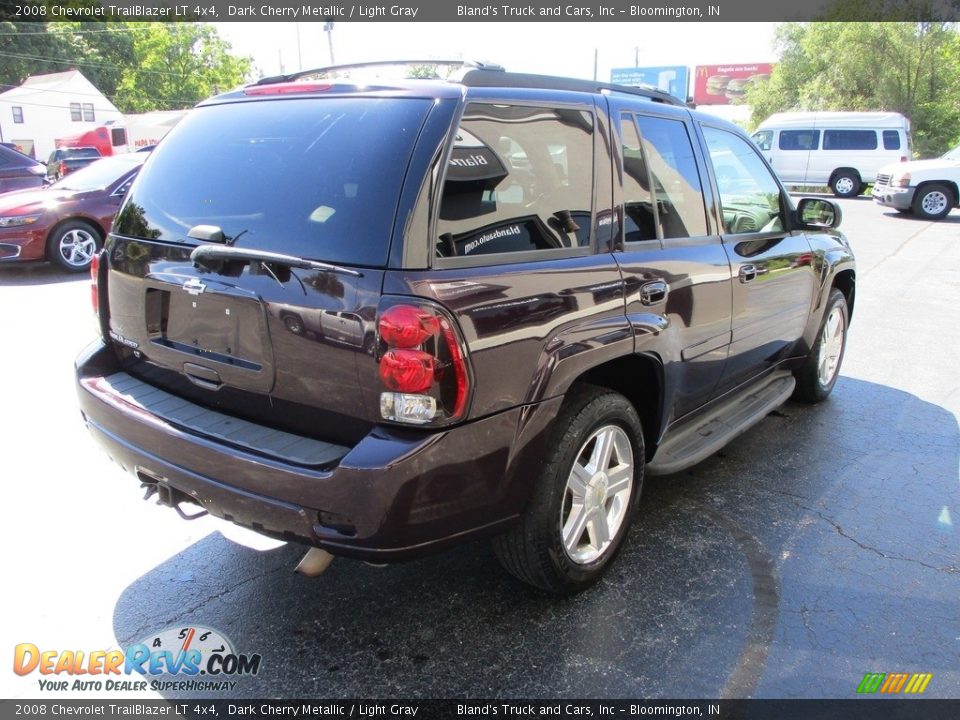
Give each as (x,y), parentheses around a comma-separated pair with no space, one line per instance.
(194,286)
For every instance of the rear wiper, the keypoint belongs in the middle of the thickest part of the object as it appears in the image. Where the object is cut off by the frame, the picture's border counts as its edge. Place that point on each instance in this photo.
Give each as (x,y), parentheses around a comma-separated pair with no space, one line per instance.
(213,256)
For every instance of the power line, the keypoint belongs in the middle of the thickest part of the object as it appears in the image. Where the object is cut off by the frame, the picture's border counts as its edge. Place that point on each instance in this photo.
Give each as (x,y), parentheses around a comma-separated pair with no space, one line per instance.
(84,62)
(39,90)
(79,31)
(182,101)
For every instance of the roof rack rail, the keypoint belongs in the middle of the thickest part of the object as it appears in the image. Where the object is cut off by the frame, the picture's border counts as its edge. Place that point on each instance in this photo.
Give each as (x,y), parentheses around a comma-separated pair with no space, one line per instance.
(289,77)
(480,77)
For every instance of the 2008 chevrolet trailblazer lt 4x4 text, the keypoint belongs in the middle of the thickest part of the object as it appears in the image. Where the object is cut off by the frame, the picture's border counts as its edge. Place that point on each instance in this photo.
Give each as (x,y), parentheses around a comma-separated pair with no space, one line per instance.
(380,318)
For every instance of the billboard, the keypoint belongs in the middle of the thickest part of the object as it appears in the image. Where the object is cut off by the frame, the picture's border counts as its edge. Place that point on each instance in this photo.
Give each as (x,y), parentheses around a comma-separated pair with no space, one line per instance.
(723,84)
(669,78)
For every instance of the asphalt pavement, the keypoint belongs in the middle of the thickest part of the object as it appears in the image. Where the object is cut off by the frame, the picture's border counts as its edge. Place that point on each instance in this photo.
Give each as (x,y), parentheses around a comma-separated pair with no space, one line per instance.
(819,546)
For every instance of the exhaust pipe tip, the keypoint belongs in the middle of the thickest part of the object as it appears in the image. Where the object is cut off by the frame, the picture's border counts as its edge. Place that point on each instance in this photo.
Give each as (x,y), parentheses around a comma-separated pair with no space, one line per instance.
(314,563)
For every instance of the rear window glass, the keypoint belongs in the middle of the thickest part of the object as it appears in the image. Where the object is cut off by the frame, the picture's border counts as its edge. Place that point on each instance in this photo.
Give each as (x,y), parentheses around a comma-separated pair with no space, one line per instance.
(316,178)
(81,152)
(100,174)
(849,139)
(891,140)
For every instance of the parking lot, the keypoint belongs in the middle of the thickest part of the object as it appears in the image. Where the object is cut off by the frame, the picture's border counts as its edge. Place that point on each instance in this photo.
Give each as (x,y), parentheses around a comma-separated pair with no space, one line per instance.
(821,545)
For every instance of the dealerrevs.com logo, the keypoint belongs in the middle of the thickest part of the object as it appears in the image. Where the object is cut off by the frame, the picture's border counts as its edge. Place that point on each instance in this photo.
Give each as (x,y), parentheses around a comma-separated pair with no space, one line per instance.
(894,683)
(201,659)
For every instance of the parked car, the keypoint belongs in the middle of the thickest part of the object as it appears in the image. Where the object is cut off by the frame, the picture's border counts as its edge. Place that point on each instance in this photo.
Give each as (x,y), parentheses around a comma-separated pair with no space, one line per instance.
(17,171)
(928,188)
(843,150)
(64,161)
(66,222)
(563,300)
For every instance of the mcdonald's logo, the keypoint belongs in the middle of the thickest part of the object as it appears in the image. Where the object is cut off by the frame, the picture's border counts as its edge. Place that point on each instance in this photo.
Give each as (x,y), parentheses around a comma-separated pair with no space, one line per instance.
(893,683)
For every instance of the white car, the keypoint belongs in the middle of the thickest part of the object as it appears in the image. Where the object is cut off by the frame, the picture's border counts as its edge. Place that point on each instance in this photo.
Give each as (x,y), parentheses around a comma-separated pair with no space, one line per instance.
(928,188)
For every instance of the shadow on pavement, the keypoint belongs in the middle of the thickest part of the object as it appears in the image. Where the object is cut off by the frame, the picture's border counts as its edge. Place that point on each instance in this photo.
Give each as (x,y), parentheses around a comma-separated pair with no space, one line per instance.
(817,546)
(38,274)
(951,219)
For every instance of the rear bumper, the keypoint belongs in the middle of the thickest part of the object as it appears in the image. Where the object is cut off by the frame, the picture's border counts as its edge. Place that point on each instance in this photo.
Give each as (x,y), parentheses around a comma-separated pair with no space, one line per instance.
(895,197)
(395,495)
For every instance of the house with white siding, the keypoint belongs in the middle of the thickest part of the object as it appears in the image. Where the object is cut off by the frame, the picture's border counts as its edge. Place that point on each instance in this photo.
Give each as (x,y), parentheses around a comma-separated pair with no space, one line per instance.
(46,107)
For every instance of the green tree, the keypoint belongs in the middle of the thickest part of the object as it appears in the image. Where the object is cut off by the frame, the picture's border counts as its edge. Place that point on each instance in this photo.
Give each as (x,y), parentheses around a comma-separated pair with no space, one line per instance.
(177,66)
(907,67)
(138,66)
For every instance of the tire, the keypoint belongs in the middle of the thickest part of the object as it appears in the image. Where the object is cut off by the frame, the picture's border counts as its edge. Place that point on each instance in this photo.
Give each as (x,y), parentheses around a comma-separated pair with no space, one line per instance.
(585,498)
(819,372)
(294,323)
(846,184)
(933,202)
(73,244)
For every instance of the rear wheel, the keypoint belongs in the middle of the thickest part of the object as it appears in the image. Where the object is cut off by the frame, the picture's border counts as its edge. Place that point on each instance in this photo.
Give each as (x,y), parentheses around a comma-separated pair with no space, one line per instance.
(846,184)
(73,244)
(933,202)
(585,498)
(819,372)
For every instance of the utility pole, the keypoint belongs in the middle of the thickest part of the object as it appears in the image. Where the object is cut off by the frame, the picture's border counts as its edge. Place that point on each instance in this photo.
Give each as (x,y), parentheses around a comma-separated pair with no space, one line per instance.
(636,56)
(596,55)
(299,55)
(328,29)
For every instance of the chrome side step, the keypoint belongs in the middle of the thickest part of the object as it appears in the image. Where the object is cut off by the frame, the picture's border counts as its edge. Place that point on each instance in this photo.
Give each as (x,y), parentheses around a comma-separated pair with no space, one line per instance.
(705,435)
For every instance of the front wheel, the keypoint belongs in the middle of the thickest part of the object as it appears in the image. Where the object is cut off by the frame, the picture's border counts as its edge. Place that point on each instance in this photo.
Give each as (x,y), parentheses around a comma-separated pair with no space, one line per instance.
(73,244)
(819,372)
(846,184)
(933,202)
(585,497)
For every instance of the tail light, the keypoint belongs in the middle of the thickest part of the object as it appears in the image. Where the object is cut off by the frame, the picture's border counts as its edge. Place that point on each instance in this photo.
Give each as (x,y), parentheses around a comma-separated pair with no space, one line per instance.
(903,158)
(62,169)
(422,364)
(95,284)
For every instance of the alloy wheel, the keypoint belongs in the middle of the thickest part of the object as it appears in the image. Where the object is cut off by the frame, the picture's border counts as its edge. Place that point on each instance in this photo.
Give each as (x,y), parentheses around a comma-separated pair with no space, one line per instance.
(77,247)
(831,346)
(597,494)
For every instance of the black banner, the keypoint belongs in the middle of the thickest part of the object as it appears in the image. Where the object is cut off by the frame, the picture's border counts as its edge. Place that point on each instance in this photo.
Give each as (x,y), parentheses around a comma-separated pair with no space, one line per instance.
(476,10)
(854,709)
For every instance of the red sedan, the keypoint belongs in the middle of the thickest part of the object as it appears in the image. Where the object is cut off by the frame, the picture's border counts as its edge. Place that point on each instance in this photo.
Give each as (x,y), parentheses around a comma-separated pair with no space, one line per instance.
(66,222)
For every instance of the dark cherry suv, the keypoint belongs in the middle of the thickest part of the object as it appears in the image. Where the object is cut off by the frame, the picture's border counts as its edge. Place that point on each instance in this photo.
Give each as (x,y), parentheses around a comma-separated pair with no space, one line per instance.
(380,318)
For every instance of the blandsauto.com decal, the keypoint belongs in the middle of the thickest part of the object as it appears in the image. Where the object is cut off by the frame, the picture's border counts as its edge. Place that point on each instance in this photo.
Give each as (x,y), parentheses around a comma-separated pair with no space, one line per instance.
(177,658)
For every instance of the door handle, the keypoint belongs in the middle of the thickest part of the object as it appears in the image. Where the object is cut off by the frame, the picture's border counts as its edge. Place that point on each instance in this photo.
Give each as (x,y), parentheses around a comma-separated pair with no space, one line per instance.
(653,292)
(748,273)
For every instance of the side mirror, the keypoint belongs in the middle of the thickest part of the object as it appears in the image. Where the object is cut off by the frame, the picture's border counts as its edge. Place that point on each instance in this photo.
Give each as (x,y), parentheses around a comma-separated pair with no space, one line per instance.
(819,213)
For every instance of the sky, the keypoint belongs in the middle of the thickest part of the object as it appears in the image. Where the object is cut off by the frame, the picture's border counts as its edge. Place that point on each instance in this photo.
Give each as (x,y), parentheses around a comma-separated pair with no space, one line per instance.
(554,48)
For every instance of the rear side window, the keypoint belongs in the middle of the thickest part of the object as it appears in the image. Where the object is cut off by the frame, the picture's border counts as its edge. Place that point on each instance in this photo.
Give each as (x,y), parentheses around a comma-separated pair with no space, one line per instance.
(639,214)
(849,139)
(891,140)
(676,180)
(799,139)
(316,178)
(519,178)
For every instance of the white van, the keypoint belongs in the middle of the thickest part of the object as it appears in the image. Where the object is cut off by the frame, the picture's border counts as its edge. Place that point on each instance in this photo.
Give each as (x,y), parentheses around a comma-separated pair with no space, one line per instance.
(841,149)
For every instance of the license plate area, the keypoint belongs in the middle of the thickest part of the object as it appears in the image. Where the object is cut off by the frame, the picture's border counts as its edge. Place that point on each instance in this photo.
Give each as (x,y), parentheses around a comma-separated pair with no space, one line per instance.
(220,328)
